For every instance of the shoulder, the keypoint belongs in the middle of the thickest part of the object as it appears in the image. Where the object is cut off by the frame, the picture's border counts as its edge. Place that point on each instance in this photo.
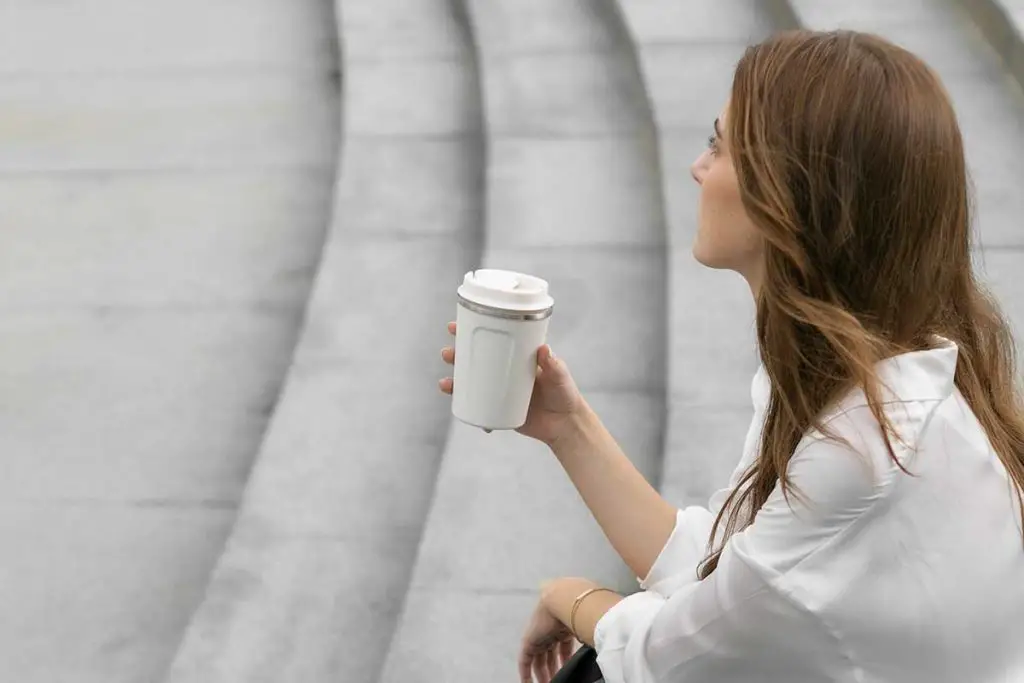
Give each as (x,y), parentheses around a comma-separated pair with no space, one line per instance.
(849,458)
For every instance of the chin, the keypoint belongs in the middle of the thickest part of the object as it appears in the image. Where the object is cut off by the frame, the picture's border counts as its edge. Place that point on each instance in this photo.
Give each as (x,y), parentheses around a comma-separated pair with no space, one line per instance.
(709,258)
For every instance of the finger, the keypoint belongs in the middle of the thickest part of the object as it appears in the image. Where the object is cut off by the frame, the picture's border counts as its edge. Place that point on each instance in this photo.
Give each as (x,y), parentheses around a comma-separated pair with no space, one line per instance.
(540,666)
(566,650)
(448,355)
(543,353)
(525,667)
(447,385)
(451,328)
(546,358)
(553,666)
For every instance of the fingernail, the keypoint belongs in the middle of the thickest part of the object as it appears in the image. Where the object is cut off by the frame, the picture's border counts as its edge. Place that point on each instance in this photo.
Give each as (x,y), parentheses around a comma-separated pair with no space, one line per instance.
(552,352)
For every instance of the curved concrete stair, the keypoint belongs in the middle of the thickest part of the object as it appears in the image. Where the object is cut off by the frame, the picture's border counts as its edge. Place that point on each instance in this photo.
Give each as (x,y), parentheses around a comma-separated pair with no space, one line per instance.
(573,196)
(309,586)
(162,210)
(1003,24)
(687,52)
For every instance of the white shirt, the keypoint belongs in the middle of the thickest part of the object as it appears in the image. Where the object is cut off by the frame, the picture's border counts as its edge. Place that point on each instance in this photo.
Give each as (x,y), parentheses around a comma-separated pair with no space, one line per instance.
(873,576)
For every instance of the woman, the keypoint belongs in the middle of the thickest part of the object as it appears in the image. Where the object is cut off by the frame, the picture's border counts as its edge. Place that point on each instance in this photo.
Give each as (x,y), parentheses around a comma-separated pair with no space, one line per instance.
(873,528)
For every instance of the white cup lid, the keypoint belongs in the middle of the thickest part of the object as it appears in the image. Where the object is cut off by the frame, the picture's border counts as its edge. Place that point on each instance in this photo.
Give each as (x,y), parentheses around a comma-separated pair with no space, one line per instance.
(506,290)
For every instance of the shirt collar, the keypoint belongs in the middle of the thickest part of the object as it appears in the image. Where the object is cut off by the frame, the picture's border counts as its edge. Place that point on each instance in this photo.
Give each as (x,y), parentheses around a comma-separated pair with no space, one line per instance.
(927,375)
(761,389)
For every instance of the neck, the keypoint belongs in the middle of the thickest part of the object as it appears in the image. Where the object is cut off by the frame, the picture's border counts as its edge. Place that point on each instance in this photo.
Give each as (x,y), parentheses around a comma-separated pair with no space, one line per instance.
(754,277)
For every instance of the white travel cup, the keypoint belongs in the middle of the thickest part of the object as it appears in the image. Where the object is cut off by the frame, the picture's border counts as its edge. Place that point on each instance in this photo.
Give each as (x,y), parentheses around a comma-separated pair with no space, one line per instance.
(502,320)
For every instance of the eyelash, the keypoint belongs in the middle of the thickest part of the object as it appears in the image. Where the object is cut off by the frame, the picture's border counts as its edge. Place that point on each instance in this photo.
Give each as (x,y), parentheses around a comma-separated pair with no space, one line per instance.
(713,144)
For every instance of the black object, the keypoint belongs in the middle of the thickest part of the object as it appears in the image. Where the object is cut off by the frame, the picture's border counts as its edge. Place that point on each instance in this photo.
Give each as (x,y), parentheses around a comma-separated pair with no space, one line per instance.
(581,668)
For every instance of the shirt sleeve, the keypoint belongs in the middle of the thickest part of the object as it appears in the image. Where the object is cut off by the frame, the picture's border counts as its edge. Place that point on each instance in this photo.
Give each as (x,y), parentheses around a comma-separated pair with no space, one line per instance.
(685,548)
(656,635)
(676,565)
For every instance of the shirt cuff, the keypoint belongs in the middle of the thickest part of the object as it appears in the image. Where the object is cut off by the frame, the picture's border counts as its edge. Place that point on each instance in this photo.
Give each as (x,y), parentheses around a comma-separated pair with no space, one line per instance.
(685,549)
(624,619)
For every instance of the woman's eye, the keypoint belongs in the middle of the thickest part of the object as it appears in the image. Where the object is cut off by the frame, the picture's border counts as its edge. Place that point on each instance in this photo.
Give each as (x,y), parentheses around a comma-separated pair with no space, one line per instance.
(713,144)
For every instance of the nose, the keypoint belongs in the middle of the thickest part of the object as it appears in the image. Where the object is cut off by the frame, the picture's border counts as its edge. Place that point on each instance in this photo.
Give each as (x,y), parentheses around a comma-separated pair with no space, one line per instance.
(699,167)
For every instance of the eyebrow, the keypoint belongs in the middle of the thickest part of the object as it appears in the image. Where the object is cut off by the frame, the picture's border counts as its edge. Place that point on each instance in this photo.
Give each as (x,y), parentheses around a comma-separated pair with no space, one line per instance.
(718,129)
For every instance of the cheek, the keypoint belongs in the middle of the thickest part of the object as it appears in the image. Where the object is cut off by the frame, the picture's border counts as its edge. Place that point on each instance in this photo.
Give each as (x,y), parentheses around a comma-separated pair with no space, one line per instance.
(725,237)
(719,203)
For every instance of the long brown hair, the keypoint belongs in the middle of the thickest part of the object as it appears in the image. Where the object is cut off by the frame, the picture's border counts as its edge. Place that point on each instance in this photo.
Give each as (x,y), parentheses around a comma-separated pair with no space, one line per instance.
(850,161)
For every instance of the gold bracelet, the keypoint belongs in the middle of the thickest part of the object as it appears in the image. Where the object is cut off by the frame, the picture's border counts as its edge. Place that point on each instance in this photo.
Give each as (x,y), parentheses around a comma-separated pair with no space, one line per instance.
(576,605)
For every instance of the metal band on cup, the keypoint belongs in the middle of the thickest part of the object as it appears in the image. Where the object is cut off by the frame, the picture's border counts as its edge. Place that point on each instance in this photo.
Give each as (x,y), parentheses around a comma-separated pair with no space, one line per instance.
(503,312)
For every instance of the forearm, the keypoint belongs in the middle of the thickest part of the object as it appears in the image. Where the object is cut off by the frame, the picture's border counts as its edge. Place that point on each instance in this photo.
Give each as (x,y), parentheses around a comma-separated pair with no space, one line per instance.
(634,517)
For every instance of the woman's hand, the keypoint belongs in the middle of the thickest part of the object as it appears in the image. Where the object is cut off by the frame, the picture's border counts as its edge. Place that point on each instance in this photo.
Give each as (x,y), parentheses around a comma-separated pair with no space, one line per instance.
(555,401)
(547,646)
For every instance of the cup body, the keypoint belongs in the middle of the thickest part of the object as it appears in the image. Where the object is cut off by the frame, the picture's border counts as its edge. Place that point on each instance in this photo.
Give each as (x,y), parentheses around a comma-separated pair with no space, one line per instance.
(496,347)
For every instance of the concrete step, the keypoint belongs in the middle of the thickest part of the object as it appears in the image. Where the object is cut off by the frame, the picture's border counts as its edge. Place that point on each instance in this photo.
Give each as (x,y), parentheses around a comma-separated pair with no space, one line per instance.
(172,121)
(687,52)
(1002,22)
(123,37)
(572,196)
(163,210)
(310,584)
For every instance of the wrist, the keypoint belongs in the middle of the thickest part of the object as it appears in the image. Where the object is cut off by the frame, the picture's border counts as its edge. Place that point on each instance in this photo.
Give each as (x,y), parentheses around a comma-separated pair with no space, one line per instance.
(578,604)
(558,595)
(554,588)
(578,426)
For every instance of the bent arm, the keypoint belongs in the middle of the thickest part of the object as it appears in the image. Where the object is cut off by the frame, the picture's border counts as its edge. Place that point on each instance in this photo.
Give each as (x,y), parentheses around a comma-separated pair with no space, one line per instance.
(662,545)
(634,517)
(741,623)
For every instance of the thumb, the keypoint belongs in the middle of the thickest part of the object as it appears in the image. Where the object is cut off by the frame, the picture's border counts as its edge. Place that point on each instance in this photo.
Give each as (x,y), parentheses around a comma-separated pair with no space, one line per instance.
(548,360)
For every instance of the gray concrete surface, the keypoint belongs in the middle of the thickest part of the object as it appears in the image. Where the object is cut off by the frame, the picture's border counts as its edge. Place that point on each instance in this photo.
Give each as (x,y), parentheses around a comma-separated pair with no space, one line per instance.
(312,579)
(162,209)
(126,37)
(164,215)
(687,53)
(1002,21)
(573,196)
